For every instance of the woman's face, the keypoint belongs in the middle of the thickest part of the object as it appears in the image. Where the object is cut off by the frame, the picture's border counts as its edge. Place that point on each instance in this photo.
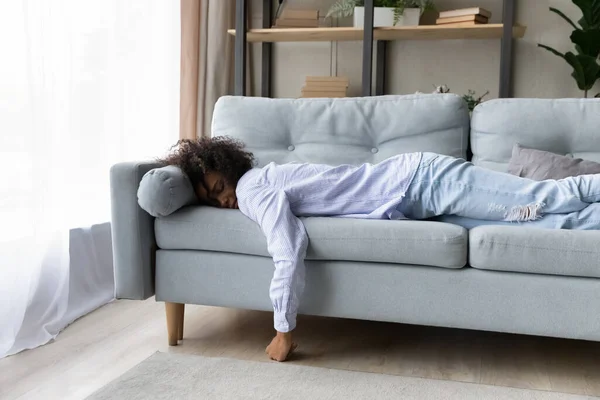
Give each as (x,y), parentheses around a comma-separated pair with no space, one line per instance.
(215,191)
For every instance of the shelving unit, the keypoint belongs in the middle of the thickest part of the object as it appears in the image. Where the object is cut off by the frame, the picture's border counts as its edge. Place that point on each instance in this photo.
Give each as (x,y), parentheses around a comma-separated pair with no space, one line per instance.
(422,32)
(506,32)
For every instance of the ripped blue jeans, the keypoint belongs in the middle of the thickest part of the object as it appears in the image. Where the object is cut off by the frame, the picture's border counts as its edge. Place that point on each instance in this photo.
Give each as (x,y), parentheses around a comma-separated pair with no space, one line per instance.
(452,189)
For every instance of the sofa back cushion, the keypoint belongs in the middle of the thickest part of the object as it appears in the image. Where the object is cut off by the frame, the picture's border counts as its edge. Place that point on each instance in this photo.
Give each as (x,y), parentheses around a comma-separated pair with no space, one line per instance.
(562,126)
(346,130)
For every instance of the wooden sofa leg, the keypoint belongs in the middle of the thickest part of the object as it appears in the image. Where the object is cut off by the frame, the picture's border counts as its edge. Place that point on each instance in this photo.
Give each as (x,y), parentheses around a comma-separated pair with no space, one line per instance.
(180,319)
(174,313)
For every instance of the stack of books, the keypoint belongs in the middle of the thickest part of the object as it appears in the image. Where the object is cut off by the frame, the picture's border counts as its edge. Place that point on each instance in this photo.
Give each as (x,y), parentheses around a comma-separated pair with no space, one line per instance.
(298,19)
(325,86)
(464,17)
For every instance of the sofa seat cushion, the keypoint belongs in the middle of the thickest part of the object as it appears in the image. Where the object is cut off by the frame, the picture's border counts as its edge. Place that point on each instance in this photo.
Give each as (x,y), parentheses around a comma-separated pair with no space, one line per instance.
(408,242)
(539,251)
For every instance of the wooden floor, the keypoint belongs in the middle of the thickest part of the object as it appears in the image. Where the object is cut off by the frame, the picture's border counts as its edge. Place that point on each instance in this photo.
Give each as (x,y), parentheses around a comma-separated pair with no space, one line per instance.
(103,345)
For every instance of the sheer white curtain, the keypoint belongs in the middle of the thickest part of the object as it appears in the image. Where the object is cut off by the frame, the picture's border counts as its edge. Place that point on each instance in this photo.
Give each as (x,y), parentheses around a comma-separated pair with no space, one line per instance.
(83,84)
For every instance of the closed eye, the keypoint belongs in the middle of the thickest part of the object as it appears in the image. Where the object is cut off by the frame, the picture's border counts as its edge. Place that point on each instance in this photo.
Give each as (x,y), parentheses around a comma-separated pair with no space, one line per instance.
(203,195)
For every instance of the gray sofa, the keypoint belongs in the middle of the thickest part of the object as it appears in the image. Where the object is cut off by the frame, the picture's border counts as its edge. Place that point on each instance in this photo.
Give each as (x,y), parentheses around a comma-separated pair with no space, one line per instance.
(496,278)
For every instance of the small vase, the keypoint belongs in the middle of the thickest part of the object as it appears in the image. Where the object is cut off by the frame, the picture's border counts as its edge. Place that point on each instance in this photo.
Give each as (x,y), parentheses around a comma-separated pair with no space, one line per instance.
(384,16)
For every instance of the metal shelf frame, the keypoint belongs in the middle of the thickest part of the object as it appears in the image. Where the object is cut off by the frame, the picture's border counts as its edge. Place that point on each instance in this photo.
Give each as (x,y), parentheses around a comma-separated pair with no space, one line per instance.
(241,28)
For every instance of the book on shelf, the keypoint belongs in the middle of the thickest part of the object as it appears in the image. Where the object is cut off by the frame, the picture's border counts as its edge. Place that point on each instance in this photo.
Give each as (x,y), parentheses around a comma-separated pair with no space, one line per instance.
(327,84)
(312,94)
(467,18)
(296,23)
(299,14)
(308,89)
(327,79)
(460,24)
(325,88)
(465,11)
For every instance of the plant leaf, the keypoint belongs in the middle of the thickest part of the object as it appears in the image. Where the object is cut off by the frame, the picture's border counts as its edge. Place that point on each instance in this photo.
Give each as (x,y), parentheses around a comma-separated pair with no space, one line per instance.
(398,12)
(598,95)
(591,13)
(583,23)
(397,15)
(342,8)
(430,6)
(551,50)
(587,42)
(585,70)
(578,72)
(560,13)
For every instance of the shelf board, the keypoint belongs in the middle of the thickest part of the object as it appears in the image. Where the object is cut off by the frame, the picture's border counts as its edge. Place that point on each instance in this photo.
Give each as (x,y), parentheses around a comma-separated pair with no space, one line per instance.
(421,32)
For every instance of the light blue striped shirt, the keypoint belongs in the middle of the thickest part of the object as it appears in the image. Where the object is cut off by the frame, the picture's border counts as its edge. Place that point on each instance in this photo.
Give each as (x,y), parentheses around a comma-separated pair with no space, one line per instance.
(276,195)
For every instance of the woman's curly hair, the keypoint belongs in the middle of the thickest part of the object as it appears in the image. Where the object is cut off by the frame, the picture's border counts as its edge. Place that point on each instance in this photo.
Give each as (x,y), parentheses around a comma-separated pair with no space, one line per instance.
(219,154)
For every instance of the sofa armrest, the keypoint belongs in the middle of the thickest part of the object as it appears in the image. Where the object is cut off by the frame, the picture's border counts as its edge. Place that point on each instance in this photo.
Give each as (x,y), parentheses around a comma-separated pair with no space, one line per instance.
(133,242)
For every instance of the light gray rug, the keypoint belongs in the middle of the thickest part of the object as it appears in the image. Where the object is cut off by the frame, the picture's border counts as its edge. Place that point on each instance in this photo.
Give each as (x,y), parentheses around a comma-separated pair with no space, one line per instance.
(175,376)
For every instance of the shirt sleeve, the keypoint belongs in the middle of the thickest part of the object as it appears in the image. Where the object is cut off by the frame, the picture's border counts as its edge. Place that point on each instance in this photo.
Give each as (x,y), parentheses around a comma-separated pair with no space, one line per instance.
(287,242)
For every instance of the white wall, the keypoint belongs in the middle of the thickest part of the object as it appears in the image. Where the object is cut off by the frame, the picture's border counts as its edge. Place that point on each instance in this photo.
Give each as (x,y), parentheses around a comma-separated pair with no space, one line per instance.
(417,65)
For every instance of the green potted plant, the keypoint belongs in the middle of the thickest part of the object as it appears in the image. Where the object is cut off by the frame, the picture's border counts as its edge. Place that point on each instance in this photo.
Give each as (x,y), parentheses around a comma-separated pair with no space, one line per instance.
(470,98)
(586,38)
(386,12)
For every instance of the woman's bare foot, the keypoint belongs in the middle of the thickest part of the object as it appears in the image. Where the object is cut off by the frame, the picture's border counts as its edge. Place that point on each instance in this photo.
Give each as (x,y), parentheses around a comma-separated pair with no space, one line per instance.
(281,346)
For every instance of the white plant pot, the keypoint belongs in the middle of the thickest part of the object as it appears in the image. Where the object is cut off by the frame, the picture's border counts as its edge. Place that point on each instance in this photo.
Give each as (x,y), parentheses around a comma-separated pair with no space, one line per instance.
(384,16)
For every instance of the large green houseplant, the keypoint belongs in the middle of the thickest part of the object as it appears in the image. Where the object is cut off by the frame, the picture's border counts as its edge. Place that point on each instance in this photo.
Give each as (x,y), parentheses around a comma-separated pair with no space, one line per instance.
(345,8)
(586,38)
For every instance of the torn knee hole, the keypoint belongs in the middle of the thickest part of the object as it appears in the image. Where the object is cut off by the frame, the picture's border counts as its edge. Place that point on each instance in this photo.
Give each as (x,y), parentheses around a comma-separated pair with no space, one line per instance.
(529,212)
(496,208)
